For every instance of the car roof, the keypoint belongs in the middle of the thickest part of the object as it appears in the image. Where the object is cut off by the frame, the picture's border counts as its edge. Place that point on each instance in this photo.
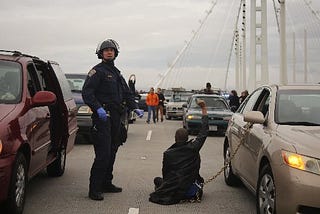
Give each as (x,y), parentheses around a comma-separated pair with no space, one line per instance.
(299,87)
(207,95)
(76,74)
(16,56)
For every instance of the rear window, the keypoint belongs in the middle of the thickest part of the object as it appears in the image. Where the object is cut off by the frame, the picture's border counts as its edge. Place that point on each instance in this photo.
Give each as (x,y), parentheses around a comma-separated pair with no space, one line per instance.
(76,81)
(211,102)
(10,82)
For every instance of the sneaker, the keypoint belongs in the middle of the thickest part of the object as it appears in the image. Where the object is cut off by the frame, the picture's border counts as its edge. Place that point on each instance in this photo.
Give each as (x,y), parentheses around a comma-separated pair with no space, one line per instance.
(97,196)
(111,188)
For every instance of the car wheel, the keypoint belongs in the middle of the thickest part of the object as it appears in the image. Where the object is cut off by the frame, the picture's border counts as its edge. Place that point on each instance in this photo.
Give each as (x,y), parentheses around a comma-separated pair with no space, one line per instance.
(229,177)
(168,118)
(57,167)
(266,192)
(17,189)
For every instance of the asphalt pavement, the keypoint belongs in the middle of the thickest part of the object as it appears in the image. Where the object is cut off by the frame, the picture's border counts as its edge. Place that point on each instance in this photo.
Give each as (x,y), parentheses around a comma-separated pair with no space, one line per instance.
(138,161)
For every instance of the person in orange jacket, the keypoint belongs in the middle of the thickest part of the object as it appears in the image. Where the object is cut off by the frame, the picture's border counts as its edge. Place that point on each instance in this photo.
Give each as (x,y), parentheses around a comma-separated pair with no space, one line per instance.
(152,101)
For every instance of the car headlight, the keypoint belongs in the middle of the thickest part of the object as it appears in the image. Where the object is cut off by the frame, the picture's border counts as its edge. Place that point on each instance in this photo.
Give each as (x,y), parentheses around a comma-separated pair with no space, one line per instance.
(193,117)
(301,162)
(84,110)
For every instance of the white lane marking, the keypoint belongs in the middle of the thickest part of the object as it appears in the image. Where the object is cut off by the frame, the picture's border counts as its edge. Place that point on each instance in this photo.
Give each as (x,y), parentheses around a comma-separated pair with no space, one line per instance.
(133,211)
(149,135)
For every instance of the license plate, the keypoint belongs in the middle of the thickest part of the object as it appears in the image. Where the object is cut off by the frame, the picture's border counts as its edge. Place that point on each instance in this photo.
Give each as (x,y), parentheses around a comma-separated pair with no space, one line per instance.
(213,128)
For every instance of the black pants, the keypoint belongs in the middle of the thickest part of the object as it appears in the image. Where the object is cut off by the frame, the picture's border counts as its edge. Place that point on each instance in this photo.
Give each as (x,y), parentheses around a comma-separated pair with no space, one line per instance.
(106,143)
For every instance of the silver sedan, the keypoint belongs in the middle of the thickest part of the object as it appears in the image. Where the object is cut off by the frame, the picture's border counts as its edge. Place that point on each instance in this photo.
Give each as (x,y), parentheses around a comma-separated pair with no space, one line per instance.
(276,137)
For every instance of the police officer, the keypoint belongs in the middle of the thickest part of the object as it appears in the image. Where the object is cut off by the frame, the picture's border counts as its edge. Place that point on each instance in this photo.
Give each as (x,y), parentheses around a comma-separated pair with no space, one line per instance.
(105,91)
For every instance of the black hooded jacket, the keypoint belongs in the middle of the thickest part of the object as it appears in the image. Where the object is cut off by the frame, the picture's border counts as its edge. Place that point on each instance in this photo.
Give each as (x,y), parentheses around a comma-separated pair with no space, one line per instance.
(181,165)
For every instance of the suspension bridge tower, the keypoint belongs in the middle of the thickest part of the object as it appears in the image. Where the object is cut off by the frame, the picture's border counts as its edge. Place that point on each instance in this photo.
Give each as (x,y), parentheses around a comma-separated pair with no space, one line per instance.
(258,45)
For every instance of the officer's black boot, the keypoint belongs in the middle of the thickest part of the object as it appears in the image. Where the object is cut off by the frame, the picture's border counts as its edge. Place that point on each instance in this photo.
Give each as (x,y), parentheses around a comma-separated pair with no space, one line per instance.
(111,188)
(97,196)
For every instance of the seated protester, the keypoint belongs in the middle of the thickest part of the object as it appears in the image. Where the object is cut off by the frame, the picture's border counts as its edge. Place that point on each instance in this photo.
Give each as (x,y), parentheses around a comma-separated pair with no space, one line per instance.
(181,165)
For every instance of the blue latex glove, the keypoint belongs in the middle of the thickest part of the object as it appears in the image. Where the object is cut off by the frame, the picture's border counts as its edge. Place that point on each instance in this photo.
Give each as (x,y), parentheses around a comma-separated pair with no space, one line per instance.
(139,112)
(102,114)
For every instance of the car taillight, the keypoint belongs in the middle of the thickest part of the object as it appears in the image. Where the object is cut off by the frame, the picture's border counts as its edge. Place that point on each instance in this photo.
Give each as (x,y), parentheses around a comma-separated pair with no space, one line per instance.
(0,147)
(84,110)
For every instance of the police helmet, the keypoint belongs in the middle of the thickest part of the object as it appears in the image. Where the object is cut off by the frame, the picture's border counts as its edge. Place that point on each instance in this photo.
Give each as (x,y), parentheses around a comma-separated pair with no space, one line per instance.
(109,43)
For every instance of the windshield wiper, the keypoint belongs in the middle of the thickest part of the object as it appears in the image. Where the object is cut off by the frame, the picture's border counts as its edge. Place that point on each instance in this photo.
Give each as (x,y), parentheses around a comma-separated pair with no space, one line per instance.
(300,123)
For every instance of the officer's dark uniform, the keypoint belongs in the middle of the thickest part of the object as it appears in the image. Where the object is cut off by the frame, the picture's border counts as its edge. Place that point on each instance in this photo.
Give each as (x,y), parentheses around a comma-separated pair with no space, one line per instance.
(105,87)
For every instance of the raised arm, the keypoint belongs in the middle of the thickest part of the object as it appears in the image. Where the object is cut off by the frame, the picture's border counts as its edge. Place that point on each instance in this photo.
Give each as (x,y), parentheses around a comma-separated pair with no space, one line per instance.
(201,137)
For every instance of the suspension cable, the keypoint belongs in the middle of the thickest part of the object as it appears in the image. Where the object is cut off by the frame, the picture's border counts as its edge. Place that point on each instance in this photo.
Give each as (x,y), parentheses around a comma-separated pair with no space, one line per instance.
(232,43)
(186,46)
(277,15)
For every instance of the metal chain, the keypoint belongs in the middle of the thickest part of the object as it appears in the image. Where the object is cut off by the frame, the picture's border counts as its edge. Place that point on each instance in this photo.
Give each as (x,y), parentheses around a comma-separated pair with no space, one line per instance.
(197,199)
(247,128)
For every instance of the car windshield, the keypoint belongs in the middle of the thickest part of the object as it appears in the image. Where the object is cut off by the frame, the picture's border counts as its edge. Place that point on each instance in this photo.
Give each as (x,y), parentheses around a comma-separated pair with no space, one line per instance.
(211,102)
(298,107)
(179,97)
(10,82)
(76,81)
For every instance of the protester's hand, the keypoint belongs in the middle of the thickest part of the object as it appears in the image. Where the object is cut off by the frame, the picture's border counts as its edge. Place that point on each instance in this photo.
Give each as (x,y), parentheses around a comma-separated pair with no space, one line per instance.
(201,103)
(102,114)
(139,112)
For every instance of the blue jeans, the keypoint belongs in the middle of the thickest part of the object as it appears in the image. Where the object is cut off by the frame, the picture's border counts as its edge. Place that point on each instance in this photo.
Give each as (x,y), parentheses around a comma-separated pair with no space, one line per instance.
(153,109)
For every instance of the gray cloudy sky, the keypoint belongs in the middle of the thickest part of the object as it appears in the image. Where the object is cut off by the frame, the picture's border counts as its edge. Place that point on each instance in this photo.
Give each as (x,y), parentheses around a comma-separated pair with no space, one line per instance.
(149,32)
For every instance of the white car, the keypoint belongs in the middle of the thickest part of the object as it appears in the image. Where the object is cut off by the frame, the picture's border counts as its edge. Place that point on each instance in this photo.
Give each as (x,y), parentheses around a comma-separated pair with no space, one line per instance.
(174,107)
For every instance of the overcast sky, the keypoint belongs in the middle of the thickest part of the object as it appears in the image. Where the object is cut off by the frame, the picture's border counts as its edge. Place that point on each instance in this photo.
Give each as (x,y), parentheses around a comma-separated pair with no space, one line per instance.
(150,34)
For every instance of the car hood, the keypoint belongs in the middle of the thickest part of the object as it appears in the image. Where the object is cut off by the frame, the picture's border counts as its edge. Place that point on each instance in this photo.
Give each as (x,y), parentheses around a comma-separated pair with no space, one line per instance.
(211,112)
(306,139)
(5,110)
(77,96)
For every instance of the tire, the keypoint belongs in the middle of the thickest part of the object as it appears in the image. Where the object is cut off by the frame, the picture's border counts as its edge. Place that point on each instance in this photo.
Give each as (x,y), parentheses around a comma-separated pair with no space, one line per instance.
(17,188)
(229,177)
(57,167)
(266,192)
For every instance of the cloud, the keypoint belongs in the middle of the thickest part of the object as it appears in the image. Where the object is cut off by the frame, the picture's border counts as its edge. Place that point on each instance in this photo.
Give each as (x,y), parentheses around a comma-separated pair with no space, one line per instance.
(150,34)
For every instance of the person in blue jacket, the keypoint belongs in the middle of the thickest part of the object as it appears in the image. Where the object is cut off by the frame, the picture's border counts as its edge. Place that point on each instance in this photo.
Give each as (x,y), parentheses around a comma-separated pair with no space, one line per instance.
(106,92)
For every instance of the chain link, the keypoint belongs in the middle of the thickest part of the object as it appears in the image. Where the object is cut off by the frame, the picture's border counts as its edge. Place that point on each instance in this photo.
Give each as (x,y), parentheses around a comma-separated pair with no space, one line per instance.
(246,130)
(197,199)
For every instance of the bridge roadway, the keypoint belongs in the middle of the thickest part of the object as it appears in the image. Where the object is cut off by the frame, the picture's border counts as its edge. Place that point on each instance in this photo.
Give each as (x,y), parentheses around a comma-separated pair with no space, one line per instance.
(138,162)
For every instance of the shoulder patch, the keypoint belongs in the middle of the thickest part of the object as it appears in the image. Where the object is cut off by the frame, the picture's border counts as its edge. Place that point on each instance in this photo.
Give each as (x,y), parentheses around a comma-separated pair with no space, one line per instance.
(91,72)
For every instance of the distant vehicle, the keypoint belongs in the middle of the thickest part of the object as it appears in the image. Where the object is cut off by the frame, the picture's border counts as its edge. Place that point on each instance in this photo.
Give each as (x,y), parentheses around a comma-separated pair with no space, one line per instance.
(76,81)
(142,102)
(84,113)
(37,123)
(278,160)
(218,111)
(174,107)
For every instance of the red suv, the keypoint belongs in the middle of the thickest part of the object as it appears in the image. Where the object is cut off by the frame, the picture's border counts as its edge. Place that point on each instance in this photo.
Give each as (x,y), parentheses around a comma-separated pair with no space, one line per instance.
(37,123)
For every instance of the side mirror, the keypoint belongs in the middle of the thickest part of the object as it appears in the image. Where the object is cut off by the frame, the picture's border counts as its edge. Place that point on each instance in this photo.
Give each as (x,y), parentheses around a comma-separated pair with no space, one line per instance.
(43,98)
(254,117)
